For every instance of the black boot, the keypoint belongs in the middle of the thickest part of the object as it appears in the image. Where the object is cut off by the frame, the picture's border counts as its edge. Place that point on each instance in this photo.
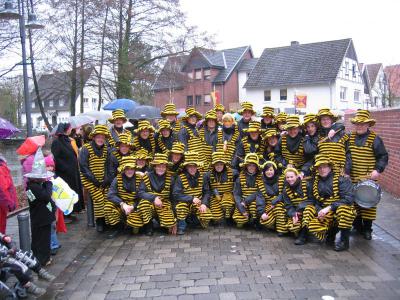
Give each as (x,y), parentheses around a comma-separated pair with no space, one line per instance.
(100,224)
(343,243)
(367,233)
(331,236)
(358,225)
(115,230)
(148,230)
(302,237)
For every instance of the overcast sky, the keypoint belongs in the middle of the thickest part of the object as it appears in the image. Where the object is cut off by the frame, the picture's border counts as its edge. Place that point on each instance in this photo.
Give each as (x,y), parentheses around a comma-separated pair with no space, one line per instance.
(374,26)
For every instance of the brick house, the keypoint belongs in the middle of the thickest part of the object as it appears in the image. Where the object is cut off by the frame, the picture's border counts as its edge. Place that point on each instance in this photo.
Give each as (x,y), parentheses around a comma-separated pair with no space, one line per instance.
(188,80)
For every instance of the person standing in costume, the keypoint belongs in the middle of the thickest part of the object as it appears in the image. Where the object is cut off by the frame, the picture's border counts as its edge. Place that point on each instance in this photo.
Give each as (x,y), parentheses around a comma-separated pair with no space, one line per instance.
(165,137)
(144,138)
(311,138)
(94,159)
(245,190)
(270,139)
(122,200)
(170,114)
(220,111)
(209,134)
(176,158)
(228,137)
(221,179)
(247,112)
(118,120)
(123,148)
(332,208)
(267,121)
(156,188)
(189,192)
(280,122)
(251,143)
(143,159)
(367,158)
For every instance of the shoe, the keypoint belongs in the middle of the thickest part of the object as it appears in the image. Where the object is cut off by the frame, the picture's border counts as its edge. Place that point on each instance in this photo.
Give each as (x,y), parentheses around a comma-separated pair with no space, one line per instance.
(53,251)
(45,275)
(367,229)
(302,237)
(180,231)
(358,225)
(367,235)
(343,243)
(113,234)
(49,262)
(281,234)
(331,236)
(135,230)
(181,227)
(148,229)
(100,225)
(35,290)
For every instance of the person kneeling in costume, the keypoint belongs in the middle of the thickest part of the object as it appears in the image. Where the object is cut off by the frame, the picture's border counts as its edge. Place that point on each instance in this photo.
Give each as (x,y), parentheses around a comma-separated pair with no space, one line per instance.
(123,205)
(189,190)
(156,188)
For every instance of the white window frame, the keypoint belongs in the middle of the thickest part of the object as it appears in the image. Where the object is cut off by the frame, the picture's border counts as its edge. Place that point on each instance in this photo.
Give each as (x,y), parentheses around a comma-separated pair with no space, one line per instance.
(270,98)
(207,99)
(280,95)
(207,74)
(197,74)
(357,92)
(343,93)
(51,103)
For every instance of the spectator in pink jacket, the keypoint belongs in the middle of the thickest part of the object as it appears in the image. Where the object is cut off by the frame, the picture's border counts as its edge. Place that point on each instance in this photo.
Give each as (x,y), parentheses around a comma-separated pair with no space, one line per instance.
(8,194)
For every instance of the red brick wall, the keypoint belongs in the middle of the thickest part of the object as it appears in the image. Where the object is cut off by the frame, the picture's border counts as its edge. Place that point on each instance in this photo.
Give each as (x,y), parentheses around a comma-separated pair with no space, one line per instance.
(388,128)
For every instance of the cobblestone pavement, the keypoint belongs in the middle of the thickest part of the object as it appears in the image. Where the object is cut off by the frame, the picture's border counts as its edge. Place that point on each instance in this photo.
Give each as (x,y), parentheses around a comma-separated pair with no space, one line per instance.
(226,263)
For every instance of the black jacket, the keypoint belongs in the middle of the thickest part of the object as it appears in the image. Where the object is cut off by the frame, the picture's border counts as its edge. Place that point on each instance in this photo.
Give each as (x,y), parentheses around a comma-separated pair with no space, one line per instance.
(272,189)
(184,136)
(41,206)
(157,185)
(242,125)
(240,150)
(178,189)
(129,185)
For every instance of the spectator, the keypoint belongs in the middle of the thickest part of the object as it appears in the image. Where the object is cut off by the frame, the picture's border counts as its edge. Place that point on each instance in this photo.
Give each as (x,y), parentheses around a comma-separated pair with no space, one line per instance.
(8,194)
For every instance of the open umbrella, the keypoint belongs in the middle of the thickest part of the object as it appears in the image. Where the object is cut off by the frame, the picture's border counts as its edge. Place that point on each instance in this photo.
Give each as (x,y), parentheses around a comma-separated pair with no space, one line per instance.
(7,129)
(125,104)
(31,144)
(78,121)
(144,112)
(102,116)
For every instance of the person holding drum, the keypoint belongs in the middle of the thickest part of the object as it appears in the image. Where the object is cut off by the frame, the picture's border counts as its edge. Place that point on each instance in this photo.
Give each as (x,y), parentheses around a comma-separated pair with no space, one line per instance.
(366,159)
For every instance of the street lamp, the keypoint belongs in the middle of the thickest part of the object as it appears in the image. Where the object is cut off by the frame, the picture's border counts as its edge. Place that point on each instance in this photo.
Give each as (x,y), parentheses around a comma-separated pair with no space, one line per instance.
(11,13)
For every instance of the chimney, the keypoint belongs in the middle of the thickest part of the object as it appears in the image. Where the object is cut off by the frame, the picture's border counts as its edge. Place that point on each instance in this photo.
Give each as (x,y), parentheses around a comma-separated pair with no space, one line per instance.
(293,43)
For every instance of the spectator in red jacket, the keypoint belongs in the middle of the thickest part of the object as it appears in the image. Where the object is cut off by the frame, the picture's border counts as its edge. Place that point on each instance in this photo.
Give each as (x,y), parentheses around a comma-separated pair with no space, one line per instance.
(8,194)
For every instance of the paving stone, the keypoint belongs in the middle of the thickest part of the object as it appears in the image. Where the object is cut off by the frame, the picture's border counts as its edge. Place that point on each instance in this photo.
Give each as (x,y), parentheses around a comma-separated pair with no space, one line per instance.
(137,294)
(198,290)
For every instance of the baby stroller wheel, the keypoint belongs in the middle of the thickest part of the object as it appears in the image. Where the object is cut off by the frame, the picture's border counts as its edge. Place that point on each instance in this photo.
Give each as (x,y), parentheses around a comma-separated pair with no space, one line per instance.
(20,291)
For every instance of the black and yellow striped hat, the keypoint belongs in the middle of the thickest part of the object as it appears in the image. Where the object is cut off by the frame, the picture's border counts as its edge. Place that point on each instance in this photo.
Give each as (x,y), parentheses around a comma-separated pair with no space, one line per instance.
(363,116)
(169,109)
(127,162)
(292,121)
(192,158)
(100,129)
(270,133)
(117,114)
(269,162)
(281,117)
(326,112)
(254,126)
(291,170)
(251,158)
(210,115)
(164,124)
(219,107)
(124,138)
(321,159)
(178,148)
(190,111)
(268,111)
(310,118)
(159,158)
(218,156)
(144,124)
(246,106)
(142,154)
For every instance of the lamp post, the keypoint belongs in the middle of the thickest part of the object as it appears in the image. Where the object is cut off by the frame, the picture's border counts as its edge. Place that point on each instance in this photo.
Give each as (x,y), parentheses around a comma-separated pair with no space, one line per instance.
(10,13)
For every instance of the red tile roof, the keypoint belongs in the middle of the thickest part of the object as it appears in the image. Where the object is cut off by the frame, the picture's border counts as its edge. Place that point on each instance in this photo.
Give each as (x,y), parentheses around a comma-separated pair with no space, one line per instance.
(393,78)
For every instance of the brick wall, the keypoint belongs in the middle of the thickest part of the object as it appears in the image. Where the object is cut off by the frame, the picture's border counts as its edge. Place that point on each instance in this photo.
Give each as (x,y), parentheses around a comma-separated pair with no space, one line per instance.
(388,128)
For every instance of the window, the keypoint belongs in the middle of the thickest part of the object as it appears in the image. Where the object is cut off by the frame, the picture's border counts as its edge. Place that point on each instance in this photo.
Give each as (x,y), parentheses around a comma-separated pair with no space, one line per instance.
(198,99)
(51,103)
(207,74)
(197,74)
(94,100)
(343,92)
(346,69)
(207,99)
(267,95)
(353,69)
(189,100)
(283,95)
(61,102)
(86,102)
(190,75)
(33,104)
(356,96)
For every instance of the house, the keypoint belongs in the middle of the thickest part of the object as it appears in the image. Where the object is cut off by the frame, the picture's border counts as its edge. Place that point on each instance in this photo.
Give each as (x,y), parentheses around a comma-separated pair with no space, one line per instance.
(189,80)
(376,87)
(323,74)
(393,79)
(55,93)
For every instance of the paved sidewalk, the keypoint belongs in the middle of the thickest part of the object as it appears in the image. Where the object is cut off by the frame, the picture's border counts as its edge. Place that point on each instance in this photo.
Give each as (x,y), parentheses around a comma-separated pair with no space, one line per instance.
(227,263)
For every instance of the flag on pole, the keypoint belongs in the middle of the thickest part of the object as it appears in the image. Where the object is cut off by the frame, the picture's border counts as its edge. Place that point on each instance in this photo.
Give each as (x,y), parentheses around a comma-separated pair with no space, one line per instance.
(215,97)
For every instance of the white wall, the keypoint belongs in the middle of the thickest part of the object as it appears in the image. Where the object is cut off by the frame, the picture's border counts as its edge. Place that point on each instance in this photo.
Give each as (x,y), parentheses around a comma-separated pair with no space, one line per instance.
(349,101)
(242,78)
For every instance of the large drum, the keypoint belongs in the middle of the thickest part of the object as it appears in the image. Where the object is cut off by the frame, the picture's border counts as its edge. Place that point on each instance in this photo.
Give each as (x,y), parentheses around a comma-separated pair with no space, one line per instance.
(367,193)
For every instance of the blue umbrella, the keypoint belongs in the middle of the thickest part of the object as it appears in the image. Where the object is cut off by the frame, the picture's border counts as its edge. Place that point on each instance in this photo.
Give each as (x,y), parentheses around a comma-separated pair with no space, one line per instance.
(7,129)
(144,112)
(125,104)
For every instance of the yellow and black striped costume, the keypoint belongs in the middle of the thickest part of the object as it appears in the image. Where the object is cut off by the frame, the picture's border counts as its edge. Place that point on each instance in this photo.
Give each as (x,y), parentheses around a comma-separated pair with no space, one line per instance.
(183,209)
(336,151)
(97,167)
(362,163)
(196,144)
(295,199)
(115,214)
(222,204)
(115,136)
(296,158)
(230,145)
(137,146)
(343,217)
(164,213)
(251,209)
(207,149)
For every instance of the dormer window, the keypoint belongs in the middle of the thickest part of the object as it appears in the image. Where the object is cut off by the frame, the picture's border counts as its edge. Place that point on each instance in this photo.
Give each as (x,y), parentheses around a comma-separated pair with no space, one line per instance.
(198,74)
(207,74)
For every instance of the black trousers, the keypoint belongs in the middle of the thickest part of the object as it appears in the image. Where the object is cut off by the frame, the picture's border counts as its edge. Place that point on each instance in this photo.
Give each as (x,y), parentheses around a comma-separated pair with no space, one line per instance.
(17,271)
(41,243)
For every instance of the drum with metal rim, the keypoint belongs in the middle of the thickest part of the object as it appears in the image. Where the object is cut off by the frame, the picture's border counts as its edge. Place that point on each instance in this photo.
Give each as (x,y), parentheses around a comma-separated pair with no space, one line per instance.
(367,193)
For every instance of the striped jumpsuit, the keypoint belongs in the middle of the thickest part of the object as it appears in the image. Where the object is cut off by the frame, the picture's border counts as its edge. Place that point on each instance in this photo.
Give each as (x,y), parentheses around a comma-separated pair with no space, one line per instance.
(148,144)
(230,136)
(115,136)
(190,137)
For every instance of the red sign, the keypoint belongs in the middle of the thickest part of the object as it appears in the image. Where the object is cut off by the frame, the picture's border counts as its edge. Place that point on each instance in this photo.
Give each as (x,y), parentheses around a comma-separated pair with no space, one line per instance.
(300,101)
